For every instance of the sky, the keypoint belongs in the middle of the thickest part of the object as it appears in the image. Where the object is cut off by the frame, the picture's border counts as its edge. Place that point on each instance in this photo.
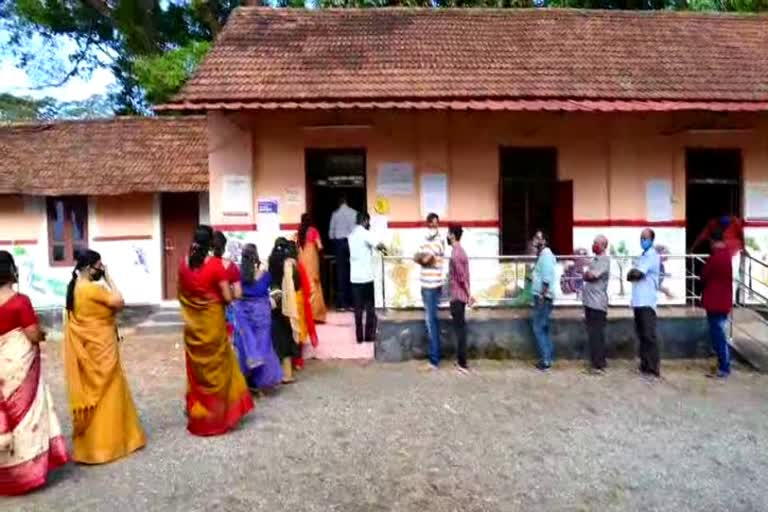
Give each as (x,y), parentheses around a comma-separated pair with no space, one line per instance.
(19,82)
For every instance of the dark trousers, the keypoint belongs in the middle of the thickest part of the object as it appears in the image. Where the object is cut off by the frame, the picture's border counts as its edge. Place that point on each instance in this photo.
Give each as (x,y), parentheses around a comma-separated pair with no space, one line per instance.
(596,320)
(458,314)
(645,326)
(343,287)
(363,299)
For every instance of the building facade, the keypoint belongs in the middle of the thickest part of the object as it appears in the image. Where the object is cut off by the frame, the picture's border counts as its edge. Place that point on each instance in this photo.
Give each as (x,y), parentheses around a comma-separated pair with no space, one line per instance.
(578,123)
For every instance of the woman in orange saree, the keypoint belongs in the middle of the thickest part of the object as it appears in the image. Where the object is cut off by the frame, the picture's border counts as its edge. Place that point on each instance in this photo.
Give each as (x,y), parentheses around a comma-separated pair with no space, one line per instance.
(217,394)
(310,244)
(303,322)
(105,424)
(31,444)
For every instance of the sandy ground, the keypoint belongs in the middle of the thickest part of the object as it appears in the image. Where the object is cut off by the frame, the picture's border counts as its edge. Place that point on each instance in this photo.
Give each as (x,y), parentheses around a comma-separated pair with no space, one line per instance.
(356,437)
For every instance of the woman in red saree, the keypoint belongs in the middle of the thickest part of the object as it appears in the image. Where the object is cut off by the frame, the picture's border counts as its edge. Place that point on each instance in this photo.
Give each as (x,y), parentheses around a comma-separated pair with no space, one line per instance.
(304,330)
(31,444)
(217,395)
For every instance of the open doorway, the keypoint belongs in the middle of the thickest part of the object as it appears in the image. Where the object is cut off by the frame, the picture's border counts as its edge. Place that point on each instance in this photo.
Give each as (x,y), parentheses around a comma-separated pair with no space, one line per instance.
(331,173)
(713,189)
(531,198)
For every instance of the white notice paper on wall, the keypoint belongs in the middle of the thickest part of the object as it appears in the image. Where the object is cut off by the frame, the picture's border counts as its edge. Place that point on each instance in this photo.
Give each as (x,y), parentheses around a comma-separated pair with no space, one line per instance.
(379,226)
(757,201)
(237,195)
(268,217)
(658,200)
(395,179)
(434,194)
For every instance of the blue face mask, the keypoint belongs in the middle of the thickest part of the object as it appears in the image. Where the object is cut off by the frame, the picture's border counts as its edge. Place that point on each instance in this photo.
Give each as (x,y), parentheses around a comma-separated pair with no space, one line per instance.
(725,221)
(646,243)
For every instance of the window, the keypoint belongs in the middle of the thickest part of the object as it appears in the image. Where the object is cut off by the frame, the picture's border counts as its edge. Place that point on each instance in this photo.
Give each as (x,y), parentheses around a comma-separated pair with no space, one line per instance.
(67,228)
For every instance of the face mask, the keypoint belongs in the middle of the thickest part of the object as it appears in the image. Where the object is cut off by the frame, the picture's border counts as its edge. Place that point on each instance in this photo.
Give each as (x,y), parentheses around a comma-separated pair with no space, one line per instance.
(432,232)
(725,221)
(597,249)
(449,241)
(97,274)
(646,243)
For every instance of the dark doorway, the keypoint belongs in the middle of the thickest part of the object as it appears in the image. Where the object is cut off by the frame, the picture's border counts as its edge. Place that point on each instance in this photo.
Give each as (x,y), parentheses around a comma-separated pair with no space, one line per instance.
(531,198)
(180,214)
(331,173)
(713,189)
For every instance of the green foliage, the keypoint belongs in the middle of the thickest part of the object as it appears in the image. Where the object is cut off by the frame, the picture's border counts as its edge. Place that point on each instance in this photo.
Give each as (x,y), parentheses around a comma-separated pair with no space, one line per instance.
(16,109)
(161,76)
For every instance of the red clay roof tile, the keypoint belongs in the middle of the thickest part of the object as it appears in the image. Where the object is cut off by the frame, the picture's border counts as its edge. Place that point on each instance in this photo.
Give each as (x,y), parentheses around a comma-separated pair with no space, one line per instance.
(285,55)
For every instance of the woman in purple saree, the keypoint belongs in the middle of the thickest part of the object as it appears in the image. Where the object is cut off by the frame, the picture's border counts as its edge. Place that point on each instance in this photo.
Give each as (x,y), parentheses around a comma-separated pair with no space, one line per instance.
(252,323)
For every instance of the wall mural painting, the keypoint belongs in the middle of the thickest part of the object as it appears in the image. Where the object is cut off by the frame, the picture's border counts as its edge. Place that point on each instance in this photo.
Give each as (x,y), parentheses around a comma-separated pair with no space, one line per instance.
(45,286)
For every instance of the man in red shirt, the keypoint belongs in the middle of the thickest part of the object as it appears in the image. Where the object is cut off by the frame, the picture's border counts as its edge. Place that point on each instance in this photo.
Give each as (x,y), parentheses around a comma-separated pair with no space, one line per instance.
(460,294)
(732,233)
(717,299)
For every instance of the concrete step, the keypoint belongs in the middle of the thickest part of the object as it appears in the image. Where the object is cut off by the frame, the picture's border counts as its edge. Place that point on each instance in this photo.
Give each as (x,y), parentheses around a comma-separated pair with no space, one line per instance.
(337,339)
(750,337)
(166,316)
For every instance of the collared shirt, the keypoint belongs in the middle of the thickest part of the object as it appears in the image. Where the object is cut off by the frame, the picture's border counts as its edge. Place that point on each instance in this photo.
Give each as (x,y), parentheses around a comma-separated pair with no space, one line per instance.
(361,245)
(594,295)
(544,273)
(459,274)
(645,291)
(432,275)
(343,221)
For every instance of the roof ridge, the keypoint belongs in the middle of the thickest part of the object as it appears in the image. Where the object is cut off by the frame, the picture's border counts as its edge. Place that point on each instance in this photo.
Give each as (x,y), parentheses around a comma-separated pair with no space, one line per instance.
(512,11)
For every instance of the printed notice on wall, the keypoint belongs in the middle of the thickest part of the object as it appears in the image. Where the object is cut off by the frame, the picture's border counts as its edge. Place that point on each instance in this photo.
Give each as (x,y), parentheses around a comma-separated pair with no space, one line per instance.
(237,196)
(658,200)
(379,225)
(293,196)
(268,216)
(434,194)
(757,201)
(395,179)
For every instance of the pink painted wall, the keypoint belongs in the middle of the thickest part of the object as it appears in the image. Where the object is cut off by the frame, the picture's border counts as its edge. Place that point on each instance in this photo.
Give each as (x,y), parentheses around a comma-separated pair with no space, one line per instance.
(19,220)
(122,216)
(609,157)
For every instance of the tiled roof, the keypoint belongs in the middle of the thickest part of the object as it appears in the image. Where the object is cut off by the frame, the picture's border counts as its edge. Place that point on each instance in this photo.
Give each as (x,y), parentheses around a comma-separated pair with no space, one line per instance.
(268,56)
(104,157)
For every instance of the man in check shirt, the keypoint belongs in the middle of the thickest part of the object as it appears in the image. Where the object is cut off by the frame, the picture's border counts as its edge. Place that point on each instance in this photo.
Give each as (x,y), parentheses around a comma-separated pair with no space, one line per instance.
(460,294)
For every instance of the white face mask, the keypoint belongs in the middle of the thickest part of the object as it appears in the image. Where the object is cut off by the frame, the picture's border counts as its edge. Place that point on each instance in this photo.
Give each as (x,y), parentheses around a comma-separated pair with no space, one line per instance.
(433,232)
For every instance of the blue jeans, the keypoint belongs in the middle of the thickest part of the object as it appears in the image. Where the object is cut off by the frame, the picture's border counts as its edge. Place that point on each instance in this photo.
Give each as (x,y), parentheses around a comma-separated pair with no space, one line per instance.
(719,341)
(542,309)
(431,298)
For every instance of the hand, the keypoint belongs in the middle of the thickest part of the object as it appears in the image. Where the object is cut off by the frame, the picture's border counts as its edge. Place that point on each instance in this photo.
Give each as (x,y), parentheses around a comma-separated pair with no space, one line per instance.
(471,301)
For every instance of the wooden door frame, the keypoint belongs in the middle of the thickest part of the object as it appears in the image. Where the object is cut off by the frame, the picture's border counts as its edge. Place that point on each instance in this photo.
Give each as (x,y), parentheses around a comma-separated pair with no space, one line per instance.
(163,254)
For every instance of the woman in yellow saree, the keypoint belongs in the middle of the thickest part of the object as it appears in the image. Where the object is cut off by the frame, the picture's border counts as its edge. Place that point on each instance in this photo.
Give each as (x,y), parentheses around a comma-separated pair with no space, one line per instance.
(310,244)
(217,394)
(105,424)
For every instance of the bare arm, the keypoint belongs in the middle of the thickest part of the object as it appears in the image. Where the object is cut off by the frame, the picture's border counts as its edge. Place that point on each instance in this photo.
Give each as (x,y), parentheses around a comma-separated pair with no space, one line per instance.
(34,333)
(237,290)
(226,291)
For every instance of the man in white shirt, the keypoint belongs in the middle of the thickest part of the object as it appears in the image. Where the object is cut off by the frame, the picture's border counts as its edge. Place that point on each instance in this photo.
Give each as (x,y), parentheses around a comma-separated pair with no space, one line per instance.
(361,245)
(343,221)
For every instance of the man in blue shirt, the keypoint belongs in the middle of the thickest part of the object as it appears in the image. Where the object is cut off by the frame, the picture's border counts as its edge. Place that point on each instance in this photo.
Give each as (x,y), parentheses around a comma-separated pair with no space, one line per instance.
(644,277)
(543,295)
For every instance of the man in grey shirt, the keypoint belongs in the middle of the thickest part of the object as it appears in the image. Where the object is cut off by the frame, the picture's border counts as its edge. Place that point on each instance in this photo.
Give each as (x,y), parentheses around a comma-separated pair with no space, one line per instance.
(343,221)
(595,298)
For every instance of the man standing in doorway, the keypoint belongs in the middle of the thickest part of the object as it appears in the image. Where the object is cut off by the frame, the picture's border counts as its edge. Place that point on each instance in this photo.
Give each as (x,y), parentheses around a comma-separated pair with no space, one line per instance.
(343,221)
(644,277)
(595,298)
(717,299)
(543,297)
(430,257)
(460,294)
(361,246)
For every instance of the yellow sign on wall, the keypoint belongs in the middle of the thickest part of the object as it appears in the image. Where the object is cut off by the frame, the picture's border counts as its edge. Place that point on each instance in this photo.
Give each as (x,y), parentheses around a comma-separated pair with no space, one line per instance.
(381,206)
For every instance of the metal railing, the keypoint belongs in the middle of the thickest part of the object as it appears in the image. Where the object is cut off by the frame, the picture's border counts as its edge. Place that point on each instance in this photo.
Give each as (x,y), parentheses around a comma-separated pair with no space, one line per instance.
(751,294)
(504,281)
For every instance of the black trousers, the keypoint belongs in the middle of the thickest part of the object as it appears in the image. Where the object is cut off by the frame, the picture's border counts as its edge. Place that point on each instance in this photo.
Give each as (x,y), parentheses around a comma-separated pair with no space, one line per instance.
(458,314)
(363,299)
(343,288)
(596,320)
(645,326)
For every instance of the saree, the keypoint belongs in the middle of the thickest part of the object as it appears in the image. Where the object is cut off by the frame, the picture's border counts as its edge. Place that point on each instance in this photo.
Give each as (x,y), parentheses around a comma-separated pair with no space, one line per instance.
(31,443)
(309,258)
(217,396)
(105,423)
(252,320)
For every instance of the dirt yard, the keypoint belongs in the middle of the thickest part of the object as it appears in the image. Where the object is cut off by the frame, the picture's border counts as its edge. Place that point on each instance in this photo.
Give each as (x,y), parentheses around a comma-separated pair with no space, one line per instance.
(355,437)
